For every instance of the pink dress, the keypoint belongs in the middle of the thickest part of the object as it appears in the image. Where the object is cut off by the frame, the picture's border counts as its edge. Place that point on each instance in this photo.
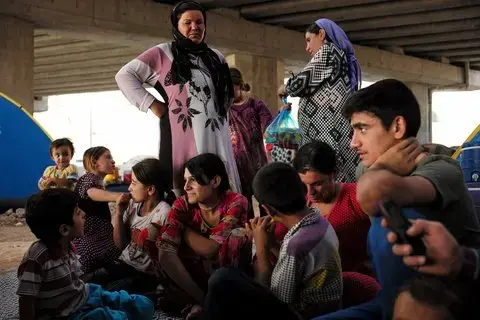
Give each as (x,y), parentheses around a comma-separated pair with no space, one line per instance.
(248,122)
(193,125)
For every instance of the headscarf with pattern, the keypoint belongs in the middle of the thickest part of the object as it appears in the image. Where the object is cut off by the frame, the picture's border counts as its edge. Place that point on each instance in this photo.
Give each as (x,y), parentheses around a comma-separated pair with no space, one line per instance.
(182,47)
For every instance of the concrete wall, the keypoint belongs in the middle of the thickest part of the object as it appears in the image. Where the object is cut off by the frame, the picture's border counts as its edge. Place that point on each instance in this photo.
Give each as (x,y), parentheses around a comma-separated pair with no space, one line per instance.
(16,60)
(263,74)
(423,95)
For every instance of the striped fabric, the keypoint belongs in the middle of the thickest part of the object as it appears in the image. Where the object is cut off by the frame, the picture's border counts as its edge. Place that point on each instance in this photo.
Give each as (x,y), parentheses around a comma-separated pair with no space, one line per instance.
(53,281)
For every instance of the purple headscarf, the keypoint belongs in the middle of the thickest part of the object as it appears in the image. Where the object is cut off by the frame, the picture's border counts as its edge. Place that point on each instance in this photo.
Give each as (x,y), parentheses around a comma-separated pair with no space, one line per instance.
(338,37)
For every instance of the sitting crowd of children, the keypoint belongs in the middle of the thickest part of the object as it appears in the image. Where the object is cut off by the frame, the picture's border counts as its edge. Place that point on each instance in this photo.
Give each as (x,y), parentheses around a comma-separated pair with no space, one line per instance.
(200,256)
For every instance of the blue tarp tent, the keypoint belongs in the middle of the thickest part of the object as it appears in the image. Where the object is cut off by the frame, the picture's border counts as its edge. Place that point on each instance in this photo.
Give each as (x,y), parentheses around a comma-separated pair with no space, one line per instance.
(24,150)
(473,137)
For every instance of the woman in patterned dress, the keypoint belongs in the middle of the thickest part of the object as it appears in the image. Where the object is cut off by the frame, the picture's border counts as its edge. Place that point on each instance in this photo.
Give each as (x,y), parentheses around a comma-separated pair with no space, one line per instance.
(249,118)
(96,248)
(323,86)
(205,228)
(194,82)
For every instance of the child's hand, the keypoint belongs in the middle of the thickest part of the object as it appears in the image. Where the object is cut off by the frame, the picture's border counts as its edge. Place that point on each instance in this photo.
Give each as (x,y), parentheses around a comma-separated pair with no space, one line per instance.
(122,202)
(259,228)
(49,182)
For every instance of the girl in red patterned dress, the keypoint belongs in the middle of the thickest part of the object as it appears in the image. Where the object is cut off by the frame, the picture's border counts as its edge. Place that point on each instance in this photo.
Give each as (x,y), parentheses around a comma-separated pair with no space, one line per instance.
(204,230)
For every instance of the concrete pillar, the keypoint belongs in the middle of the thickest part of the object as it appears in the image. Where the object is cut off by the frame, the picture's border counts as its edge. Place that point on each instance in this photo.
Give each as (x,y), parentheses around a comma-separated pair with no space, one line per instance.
(16,60)
(424,98)
(263,74)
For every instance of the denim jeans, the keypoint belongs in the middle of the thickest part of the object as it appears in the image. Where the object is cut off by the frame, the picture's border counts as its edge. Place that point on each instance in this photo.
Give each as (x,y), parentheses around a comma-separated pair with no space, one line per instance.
(391,273)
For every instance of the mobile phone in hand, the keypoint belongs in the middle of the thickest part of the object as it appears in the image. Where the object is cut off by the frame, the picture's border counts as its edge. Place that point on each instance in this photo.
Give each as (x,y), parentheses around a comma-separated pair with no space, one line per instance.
(399,224)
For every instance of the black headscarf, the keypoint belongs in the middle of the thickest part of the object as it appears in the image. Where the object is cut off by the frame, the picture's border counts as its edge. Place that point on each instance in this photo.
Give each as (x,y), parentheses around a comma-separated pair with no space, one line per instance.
(181,66)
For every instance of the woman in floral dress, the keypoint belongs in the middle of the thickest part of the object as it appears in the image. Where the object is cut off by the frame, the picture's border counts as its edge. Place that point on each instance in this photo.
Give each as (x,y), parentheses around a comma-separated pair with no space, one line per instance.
(194,82)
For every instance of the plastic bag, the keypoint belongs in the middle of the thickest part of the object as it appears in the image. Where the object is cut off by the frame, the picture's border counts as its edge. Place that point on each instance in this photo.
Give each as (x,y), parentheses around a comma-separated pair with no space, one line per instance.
(283,131)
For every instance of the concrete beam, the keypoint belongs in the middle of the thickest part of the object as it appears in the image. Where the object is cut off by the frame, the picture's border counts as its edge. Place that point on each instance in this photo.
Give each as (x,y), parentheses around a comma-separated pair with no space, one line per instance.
(411,19)
(39,33)
(425,39)
(143,23)
(83,88)
(383,10)
(45,39)
(409,69)
(88,56)
(65,80)
(109,61)
(73,84)
(455,52)
(440,59)
(257,11)
(76,72)
(419,30)
(74,46)
(465,58)
(443,46)
(398,50)
(54,41)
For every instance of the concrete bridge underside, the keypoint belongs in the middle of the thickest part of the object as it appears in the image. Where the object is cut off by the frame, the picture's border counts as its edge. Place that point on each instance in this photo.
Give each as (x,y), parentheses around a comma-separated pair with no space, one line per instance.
(65,46)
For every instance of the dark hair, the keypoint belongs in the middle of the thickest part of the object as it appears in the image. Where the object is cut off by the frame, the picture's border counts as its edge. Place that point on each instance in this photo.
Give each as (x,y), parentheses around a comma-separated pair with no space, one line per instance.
(434,292)
(90,157)
(205,167)
(278,185)
(313,28)
(63,142)
(151,173)
(237,79)
(386,100)
(47,210)
(184,6)
(318,156)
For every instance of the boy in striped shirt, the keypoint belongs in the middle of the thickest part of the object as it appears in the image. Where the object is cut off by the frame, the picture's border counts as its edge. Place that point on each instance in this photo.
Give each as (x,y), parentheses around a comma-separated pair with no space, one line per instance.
(49,275)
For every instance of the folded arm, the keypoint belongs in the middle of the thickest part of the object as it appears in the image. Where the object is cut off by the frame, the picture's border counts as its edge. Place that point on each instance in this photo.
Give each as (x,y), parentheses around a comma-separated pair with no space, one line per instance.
(202,246)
